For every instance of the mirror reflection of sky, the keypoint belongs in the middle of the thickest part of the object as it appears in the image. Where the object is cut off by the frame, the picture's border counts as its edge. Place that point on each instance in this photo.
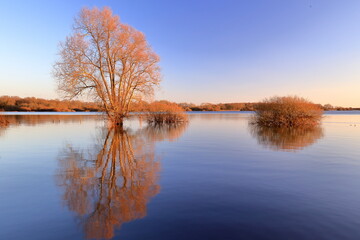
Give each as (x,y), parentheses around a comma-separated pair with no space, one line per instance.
(215,179)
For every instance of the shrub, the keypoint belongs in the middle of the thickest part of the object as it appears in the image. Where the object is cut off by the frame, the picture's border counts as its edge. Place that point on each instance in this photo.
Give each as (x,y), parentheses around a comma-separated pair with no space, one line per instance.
(164,112)
(287,111)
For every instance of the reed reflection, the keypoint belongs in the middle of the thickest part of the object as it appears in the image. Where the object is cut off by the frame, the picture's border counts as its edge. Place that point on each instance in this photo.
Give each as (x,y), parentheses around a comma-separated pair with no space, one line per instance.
(12,121)
(33,120)
(286,139)
(112,182)
(3,124)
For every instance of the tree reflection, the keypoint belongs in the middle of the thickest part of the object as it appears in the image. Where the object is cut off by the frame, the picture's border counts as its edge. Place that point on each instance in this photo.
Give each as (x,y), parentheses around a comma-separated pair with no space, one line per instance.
(286,139)
(112,182)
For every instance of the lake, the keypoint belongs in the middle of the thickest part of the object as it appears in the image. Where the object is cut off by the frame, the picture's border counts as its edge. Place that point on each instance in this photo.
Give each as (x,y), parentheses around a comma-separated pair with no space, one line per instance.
(217,177)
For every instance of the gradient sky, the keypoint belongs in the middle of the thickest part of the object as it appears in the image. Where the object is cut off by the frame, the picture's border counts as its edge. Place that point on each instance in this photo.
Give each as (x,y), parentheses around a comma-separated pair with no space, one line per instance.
(211,51)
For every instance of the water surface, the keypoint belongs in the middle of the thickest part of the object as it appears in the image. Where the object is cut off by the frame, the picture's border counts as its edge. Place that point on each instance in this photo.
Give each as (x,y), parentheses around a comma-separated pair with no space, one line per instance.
(68,177)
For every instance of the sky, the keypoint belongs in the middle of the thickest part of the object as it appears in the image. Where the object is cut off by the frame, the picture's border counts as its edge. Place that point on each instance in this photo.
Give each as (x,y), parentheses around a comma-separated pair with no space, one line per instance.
(211,51)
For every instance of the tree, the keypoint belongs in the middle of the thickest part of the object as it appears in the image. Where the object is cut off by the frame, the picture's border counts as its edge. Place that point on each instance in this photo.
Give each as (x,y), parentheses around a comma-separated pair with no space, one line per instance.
(109,60)
(328,107)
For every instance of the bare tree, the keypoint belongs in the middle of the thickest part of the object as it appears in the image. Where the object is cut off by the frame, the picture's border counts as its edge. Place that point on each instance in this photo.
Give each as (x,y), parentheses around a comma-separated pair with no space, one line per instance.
(109,60)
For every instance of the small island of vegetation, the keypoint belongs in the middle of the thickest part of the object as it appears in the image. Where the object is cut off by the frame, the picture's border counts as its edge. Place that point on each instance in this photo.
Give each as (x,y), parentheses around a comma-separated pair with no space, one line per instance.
(291,111)
(161,112)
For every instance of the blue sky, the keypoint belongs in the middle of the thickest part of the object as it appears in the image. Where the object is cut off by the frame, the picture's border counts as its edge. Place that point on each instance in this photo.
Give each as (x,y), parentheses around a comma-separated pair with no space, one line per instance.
(211,51)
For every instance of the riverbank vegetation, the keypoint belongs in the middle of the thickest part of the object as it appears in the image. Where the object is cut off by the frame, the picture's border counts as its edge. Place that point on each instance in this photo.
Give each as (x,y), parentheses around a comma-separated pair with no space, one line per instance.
(32,104)
(218,106)
(248,106)
(291,111)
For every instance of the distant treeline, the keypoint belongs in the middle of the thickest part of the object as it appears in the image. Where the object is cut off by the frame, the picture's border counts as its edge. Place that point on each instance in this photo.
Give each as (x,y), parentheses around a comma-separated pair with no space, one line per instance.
(32,104)
(245,107)
(329,107)
(219,107)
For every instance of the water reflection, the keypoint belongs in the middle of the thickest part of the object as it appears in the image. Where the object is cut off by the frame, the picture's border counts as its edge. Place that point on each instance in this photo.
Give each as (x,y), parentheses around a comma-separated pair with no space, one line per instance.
(111,183)
(286,139)
(164,132)
(32,120)
(3,124)
(13,121)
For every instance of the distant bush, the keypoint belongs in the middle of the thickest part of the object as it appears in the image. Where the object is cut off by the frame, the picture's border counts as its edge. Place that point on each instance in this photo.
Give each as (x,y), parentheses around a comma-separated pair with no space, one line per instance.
(218,107)
(164,112)
(287,112)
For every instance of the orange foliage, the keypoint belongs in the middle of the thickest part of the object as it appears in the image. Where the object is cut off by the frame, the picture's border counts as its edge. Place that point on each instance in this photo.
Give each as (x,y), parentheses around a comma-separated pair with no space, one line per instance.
(287,111)
(108,60)
(11,103)
(160,112)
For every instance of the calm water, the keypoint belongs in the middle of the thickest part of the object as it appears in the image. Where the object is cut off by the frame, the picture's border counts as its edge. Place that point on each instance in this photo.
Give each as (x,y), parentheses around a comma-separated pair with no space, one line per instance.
(67,177)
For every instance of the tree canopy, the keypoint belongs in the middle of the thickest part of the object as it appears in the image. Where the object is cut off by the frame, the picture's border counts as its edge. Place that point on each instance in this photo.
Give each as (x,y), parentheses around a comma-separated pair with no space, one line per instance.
(108,60)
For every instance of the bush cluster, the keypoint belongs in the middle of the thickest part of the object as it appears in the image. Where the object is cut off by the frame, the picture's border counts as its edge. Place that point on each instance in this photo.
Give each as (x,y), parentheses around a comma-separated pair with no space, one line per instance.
(161,112)
(287,112)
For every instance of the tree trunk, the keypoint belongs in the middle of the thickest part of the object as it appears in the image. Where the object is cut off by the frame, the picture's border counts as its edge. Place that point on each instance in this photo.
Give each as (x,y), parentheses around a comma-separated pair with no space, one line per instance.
(118,120)
(119,123)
